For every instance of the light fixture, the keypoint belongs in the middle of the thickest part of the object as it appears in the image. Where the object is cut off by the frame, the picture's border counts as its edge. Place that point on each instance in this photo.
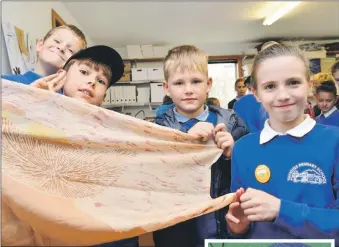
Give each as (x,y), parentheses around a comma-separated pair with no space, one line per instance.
(286,7)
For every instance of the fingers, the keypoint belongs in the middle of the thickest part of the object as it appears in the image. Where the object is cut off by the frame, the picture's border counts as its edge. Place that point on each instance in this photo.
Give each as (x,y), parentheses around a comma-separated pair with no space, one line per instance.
(219,127)
(56,83)
(224,140)
(232,218)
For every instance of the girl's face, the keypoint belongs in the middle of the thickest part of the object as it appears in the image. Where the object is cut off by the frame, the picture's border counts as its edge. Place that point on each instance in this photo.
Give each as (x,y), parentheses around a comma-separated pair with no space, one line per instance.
(282,88)
(336,76)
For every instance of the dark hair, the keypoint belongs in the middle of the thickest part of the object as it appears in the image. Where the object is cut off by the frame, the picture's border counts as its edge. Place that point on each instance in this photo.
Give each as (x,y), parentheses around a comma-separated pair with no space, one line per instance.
(211,101)
(238,80)
(167,100)
(247,81)
(327,86)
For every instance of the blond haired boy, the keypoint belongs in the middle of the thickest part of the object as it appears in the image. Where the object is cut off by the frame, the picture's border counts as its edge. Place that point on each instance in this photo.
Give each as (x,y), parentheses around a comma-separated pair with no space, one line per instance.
(188,84)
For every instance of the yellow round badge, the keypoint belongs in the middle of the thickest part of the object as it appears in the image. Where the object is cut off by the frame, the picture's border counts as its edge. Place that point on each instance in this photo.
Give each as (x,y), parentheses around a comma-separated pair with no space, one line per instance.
(262,174)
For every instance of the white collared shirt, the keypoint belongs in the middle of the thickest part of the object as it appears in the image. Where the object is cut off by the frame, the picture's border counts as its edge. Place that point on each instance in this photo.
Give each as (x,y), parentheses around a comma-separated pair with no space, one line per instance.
(300,130)
(329,112)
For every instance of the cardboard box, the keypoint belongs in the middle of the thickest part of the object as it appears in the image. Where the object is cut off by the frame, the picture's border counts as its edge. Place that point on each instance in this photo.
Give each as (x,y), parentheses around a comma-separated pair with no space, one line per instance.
(157,93)
(160,51)
(134,51)
(155,74)
(147,51)
(128,67)
(139,74)
(126,77)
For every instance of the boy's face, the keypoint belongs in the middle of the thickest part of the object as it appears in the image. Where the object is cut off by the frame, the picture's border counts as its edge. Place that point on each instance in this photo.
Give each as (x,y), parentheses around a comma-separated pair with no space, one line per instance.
(241,88)
(325,101)
(58,48)
(85,83)
(282,88)
(188,91)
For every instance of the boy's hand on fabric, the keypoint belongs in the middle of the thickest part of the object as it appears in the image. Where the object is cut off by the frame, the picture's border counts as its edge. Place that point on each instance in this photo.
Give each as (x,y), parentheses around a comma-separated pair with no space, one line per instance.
(223,139)
(259,205)
(236,219)
(52,82)
(203,130)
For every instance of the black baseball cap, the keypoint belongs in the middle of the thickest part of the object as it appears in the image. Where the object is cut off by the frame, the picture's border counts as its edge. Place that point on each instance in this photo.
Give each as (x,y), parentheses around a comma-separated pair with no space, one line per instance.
(104,55)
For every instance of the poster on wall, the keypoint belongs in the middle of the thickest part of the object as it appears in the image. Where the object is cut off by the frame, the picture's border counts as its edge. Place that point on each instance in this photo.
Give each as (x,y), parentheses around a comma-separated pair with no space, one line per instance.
(20,49)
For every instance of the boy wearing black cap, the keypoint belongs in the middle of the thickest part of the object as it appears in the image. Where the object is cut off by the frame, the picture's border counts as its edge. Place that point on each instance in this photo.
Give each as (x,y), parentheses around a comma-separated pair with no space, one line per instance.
(89,73)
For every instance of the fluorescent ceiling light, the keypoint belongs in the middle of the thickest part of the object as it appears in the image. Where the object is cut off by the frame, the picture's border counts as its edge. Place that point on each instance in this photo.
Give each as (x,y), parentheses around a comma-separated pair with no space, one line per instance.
(286,7)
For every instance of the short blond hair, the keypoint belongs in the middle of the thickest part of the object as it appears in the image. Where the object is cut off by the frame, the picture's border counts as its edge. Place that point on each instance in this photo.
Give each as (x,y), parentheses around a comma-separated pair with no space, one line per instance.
(75,30)
(185,57)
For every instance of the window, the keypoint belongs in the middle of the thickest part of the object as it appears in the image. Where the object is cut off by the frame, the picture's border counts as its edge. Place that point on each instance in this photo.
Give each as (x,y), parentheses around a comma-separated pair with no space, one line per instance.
(224,75)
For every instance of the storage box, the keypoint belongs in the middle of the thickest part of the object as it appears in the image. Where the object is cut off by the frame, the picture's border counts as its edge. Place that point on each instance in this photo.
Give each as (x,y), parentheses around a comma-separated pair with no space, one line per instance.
(147,51)
(154,74)
(134,51)
(157,92)
(160,51)
(143,93)
(139,74)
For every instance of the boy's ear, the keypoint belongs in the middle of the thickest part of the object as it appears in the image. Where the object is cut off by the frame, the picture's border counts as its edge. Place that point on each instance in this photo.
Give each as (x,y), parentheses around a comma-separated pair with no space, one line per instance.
(165,87)
(209,84)
(39,45)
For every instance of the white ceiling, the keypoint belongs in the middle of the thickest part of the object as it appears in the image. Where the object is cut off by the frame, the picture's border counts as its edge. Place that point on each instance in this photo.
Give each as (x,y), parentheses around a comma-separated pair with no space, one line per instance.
(170,23)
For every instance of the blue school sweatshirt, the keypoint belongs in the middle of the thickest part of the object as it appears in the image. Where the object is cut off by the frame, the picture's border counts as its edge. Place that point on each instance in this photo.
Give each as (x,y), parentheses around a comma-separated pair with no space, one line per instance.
(304,166)
(329,118)
(251,112)
(26,78)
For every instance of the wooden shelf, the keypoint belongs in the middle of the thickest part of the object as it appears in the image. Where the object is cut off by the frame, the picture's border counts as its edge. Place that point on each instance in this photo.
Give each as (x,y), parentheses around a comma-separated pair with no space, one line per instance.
(136,82)
(151,59)
(211,58)
(332,52)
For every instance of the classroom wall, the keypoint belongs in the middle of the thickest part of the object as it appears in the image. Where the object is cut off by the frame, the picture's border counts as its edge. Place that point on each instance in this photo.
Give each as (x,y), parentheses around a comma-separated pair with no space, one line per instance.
(34,18)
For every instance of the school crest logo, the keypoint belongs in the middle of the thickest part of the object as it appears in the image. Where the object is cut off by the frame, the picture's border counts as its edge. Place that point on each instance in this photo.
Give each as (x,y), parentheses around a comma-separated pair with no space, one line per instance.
(306,173)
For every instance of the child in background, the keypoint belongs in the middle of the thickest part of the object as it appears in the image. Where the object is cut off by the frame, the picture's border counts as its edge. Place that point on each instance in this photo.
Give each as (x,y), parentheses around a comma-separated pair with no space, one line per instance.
(53,51)
(187,83)
(212,101)
(90,73)
(320,78)
(241,89)
(250,110)
(326,97)
(284,189)
(335,72)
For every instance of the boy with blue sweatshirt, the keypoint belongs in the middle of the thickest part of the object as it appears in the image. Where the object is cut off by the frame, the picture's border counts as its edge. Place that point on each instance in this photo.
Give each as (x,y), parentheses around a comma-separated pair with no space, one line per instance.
(284,188)
(187,83)
(250,110)
(326,97)
(58,45)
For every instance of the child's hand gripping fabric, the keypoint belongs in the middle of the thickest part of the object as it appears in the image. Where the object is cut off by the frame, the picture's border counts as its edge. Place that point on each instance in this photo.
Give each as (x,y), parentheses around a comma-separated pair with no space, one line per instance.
(236,219)
(52,82)
(252,205)
(223,139)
